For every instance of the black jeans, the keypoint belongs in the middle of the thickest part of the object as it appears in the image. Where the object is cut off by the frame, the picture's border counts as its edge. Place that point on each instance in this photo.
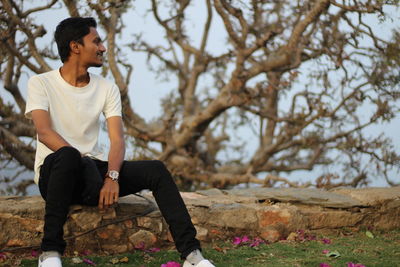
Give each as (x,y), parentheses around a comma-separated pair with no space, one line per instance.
(61,185)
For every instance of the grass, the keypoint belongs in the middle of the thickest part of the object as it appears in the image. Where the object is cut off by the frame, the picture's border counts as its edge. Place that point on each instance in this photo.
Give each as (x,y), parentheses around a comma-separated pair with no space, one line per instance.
(356,247)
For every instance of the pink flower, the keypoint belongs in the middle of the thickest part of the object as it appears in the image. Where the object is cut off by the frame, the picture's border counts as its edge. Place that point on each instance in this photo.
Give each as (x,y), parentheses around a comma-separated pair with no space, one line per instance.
(34,253)
(153,250)
(140,246)
(325,251)
(300,232)
(311,237)
(256,242)
(350,264)
(326,241)
(3,255)
(245,239)
(237,240)
(86,252)
(324,265)
(87,261)
(171,264)
(250,242)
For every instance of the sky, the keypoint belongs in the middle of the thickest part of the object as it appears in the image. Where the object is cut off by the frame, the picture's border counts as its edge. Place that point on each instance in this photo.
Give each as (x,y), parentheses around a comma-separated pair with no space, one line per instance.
(146,91)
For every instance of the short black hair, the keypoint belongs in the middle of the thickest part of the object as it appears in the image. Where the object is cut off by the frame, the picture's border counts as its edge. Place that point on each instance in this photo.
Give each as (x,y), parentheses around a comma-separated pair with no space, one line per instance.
(72,29)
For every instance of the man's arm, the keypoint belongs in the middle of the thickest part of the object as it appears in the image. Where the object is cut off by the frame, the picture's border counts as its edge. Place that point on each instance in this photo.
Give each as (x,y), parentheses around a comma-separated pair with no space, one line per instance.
(117,143)
(46,134)
(110,191)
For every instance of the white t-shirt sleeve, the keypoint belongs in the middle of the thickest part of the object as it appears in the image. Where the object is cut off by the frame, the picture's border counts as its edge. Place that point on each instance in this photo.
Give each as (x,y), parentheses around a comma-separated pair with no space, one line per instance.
(37,97)
(112,106)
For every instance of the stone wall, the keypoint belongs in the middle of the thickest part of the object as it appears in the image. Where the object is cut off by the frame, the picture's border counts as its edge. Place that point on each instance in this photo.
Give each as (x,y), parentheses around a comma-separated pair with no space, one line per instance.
(271,214)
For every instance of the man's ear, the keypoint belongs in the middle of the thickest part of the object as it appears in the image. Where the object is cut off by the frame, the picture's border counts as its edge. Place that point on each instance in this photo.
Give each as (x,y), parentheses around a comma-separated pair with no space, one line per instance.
(74,47)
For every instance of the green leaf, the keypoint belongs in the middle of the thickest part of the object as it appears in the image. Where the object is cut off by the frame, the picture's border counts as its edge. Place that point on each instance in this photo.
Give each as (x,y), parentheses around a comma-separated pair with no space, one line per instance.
(369,234)
(333,254)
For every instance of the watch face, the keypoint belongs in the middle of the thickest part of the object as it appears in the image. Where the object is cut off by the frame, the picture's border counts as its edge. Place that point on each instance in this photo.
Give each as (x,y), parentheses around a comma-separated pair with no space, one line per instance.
(113,175)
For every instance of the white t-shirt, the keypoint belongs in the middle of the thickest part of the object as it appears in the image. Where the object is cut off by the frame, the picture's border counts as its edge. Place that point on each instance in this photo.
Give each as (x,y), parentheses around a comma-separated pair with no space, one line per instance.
(74,111)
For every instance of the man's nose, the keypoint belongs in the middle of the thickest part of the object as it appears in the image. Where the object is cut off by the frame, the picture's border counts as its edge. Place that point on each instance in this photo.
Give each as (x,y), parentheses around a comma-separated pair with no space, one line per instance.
(102,48)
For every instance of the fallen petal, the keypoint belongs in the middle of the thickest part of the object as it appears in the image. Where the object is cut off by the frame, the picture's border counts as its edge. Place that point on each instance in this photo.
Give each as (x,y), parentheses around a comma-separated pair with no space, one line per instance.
(86,252)
(153,250)
(171,264)
(34,253)
(141,246)
(325,251)
(300,232)
(237,240)
(87,261)
(311,237)
(326,241)
(350,264)
(245,238)
(324,265)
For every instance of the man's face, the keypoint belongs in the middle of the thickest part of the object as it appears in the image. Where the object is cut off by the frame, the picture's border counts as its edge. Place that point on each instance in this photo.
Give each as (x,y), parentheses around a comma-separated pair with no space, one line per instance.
(92,49)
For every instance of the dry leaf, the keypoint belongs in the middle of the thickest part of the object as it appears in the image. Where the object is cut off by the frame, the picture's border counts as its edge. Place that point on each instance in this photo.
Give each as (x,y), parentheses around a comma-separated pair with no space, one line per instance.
(124,259)
(76,260)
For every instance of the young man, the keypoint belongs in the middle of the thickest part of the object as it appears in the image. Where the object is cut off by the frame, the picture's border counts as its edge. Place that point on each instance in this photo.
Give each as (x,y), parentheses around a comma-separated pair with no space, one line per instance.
(65,105)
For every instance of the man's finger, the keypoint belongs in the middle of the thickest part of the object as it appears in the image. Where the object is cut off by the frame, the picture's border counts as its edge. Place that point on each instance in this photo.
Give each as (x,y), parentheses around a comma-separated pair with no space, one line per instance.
(101,200)
(109,199)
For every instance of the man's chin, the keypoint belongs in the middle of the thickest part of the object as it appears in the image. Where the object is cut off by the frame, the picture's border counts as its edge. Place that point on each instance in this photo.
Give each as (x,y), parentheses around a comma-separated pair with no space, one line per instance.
(97,65)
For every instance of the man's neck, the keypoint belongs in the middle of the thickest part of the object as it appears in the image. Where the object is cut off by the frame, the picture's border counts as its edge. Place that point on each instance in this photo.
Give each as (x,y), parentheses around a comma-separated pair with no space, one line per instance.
(74,74)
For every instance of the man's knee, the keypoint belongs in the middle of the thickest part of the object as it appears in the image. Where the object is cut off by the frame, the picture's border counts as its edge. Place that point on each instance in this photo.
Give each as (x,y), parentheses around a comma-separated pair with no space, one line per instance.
(159,167)
(69,156)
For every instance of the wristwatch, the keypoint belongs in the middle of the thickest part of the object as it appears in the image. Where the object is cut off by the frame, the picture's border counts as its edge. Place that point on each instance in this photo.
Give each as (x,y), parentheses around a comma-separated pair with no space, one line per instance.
(113,175)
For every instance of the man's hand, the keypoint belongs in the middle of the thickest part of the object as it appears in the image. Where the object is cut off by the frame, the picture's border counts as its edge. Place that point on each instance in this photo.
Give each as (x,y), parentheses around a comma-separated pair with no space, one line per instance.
(109,193)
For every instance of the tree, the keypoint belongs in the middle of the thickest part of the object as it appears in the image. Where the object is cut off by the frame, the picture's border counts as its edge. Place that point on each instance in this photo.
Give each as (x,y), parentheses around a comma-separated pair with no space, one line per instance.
(272,48)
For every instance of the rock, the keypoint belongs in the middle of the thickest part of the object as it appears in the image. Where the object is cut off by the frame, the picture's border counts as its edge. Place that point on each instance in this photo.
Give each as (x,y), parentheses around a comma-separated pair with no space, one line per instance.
(114,249)
(273,216)
(27,207)
(104,234)
(109,214)
(155,223)
(332,219)
(393,204)
(202,233)
(15,243)
(128,224)
(143,239)
(298,195)
(219,199)
(227,215)
(292,236)
(270,213)
(87,219)
(270,235)
(198,214)
(371,196)
(86,243)
(282,217)
(110,232)
(211,192)
(133,204)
